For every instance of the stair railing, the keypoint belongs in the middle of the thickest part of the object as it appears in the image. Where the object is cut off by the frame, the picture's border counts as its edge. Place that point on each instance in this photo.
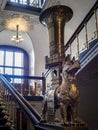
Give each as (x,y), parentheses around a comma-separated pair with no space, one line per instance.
(27,85)
(86,32)
(19,113)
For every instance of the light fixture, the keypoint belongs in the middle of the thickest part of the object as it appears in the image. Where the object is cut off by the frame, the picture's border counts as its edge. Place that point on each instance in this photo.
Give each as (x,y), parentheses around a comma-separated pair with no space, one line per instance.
(17,38)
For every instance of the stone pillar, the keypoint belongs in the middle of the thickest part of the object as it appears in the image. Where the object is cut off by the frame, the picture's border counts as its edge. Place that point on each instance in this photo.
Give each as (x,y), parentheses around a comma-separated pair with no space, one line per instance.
(55,19)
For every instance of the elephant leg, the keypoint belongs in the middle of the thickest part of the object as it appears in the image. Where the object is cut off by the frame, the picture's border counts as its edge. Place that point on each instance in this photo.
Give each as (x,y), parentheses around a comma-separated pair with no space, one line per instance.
(63,113)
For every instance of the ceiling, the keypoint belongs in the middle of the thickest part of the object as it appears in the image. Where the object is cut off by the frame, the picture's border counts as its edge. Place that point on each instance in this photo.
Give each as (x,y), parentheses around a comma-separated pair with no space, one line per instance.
(79,7)
(37,38)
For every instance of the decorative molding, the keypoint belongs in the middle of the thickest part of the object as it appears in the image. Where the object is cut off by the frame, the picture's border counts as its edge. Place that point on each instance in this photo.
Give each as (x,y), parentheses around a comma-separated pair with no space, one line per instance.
(9,15)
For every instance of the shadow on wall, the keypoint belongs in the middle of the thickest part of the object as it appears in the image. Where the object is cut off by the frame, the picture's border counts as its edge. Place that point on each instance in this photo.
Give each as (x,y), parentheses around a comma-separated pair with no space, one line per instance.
(88,106)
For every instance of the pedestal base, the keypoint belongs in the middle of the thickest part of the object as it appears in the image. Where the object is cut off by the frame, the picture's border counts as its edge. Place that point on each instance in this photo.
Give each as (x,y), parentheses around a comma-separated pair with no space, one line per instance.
(57,126)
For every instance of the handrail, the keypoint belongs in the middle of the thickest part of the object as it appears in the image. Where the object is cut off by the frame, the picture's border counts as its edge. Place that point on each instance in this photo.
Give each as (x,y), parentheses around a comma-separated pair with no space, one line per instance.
(32,114)
(80,27)
(47,73)
(15,94)
(25,77)
(41,78)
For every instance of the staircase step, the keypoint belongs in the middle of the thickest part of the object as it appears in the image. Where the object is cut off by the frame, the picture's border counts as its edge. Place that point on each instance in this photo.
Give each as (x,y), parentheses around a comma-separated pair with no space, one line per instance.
(1,109)
(2,127)
(2,115)
(3,121)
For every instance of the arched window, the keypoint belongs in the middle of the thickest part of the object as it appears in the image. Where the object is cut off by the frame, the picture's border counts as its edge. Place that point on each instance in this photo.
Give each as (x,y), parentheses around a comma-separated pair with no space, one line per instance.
(13,61)
(34,3)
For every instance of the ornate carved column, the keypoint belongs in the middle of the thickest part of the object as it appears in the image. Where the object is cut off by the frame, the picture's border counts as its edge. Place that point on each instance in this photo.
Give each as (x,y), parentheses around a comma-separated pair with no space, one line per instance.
(55,19)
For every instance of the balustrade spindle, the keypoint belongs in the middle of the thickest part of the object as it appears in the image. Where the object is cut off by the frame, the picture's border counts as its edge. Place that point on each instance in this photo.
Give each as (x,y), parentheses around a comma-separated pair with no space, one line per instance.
(86,35)
(29,90)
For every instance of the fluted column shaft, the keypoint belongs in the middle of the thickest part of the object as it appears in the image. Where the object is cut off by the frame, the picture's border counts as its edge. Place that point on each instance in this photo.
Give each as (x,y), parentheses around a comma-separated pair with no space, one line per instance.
(55,18)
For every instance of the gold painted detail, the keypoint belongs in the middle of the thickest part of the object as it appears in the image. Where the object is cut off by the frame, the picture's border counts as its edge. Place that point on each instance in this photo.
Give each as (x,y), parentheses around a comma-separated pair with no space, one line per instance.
(67,94)
(55,19)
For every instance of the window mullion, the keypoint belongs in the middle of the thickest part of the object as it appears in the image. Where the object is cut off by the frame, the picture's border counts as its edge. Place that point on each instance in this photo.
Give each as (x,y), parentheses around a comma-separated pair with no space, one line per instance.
(13,63)
(4,61)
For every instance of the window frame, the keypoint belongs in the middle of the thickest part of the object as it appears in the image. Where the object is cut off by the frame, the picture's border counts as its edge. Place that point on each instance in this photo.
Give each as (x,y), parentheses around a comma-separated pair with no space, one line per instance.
(14,49)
